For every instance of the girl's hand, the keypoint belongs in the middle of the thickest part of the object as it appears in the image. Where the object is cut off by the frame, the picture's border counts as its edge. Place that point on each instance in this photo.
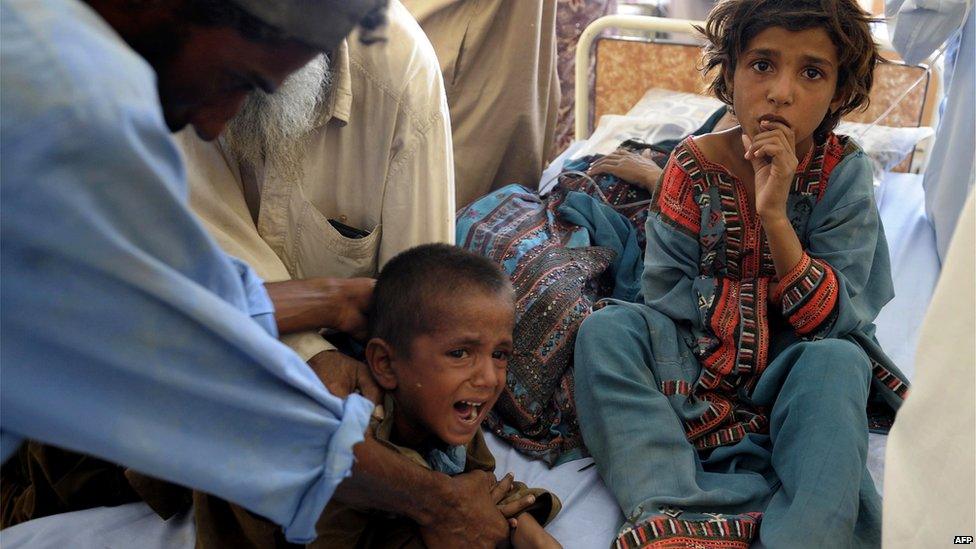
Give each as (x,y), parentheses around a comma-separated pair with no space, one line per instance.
(773,157)
(631,167)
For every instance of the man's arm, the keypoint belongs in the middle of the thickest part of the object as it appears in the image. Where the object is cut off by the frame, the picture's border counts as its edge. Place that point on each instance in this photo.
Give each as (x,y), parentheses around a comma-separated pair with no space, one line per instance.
(451,511)
(315,303)
(127,333)
(448,510)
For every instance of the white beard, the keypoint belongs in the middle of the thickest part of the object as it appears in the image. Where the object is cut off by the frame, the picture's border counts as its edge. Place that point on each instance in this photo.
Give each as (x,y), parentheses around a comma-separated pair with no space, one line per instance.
(271,128)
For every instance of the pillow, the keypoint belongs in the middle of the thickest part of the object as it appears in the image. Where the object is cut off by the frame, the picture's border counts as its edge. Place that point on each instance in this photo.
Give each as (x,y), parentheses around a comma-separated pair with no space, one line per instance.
(886,146)
(665,114)
(614,129)
(659,115)
(679,104)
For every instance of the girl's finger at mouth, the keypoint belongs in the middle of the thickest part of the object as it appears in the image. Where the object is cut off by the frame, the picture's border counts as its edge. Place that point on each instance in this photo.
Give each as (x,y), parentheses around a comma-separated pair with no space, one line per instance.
(773,125)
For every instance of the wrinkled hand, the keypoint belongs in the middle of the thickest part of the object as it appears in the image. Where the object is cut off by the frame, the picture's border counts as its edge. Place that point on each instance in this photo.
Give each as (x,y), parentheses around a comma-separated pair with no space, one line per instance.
(471,518)
(343,375)
(772,154)
(631,167)
(351,298)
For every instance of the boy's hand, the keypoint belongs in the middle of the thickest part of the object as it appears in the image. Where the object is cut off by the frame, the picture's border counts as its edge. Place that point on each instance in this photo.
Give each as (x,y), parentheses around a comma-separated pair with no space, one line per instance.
(512,508)
(470,518)
(773,157)
(529,534)
(342,375)
(631,167)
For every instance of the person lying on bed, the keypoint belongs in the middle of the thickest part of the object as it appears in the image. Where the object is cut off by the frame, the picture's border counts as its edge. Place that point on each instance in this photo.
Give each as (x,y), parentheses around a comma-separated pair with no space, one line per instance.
(731,405)
(643,167)
(440,338)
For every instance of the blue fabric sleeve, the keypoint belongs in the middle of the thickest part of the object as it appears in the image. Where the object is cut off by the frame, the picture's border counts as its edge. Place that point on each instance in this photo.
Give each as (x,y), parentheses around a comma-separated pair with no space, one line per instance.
(127,333)
(259,304)
(608,228)
(671,259)
(845,232)
(919,27)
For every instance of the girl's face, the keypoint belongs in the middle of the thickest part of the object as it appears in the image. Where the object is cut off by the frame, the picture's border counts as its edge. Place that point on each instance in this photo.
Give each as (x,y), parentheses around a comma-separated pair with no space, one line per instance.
(786,76)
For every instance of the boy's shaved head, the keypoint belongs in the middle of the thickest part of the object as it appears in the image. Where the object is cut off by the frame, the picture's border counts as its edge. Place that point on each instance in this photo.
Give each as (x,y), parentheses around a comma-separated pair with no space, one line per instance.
(732,24)
(413,287)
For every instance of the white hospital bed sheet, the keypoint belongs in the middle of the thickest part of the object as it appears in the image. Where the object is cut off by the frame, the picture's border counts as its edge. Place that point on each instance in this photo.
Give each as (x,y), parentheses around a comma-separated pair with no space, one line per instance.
(131,526)
(915,266)
(589,518)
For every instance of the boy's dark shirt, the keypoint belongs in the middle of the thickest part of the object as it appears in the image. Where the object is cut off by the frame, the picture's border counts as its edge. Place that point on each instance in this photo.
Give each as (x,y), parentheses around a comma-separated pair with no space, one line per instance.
(222,524)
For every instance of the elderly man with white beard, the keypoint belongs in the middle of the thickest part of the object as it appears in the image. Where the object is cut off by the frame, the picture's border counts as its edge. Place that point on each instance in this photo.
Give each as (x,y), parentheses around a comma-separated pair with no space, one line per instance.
(347,164)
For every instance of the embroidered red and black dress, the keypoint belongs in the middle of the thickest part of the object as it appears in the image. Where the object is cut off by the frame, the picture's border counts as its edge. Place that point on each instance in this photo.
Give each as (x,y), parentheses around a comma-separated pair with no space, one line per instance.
(710,270)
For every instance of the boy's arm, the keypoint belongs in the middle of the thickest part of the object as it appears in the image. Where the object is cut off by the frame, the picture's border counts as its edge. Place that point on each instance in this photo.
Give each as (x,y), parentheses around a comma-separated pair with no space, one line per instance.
(529,533)
(515,499)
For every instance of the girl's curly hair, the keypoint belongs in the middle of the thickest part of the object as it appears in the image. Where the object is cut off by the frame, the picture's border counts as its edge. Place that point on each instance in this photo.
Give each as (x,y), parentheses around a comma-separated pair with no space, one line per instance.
(732,24)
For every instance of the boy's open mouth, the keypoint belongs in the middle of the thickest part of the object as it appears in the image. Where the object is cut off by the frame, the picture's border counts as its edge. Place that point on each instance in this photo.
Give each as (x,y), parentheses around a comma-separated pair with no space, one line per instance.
(468,410)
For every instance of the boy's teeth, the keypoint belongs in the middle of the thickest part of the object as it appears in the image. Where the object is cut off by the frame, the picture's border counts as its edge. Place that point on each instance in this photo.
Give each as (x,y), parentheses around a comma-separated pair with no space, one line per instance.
(473,409)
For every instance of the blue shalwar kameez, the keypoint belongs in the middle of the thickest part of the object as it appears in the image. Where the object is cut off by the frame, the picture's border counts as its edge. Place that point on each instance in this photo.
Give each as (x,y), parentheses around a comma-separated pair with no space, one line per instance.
(729,409)
(127,333)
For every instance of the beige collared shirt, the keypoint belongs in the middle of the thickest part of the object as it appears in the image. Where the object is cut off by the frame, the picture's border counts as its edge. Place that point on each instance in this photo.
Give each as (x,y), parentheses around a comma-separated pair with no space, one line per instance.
(381,162)
(930,471)
(498,58)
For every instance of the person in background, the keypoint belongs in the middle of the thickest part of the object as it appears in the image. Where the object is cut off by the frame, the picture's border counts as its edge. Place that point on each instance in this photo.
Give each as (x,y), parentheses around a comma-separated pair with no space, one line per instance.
(918,29)
(348,164)
(930,490)
(572,17)
(930,468)
(498,59)
(642,168)
(127,333)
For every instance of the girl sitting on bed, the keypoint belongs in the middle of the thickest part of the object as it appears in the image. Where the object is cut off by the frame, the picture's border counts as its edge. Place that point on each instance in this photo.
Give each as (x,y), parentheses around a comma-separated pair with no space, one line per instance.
(730,407)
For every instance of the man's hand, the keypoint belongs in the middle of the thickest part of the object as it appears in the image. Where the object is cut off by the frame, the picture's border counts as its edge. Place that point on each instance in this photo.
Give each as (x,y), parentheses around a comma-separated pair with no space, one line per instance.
(470,517)
(631,167)
(772,154)
(343,375)
(337,304)
(350,298)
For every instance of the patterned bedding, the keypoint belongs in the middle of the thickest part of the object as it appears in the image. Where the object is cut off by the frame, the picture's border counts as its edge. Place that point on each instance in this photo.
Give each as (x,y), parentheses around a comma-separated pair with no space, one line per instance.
(564,252)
